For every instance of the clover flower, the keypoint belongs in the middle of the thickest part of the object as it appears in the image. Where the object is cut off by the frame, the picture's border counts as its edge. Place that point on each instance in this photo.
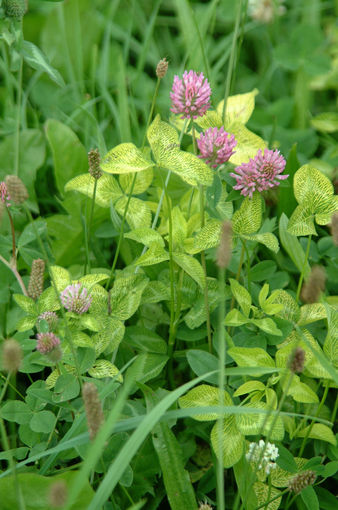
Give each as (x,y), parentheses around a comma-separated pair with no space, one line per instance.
(16,189)
(263,454)
(47,342)
(191,95)
(261,173)
(50,317)
(264,10)
(75,298)
(216,146)
(4,194)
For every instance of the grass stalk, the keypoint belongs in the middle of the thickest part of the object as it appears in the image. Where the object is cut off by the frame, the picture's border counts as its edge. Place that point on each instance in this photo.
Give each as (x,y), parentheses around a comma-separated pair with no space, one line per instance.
(221,382)
(88,230)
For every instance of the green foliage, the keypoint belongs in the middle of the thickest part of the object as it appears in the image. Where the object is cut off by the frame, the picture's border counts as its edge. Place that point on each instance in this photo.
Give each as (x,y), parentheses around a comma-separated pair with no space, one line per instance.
(143,239)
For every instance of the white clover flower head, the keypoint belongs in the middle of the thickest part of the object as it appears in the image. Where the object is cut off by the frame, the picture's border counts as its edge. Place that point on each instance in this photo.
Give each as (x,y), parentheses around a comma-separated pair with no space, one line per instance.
(263,454)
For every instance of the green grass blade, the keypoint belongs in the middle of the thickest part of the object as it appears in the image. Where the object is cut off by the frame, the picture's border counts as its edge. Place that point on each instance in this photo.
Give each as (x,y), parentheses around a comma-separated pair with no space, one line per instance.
(176,479)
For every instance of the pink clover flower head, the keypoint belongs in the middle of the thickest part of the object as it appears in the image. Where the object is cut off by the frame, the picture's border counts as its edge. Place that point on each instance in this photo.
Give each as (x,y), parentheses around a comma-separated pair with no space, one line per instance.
(75,298)
(190,96)
(216,146)
(50,317)
(261,173)
(47,342)
(4,195)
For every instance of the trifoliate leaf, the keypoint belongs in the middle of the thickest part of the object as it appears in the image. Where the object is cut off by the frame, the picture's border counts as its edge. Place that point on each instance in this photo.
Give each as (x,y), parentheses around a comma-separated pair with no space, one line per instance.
(191,266)
(126,296)
(318,431)
(290,310)
(163,140)
(138,214)
(251,357)
(235,318)
(241,295)
(146,236)
(125,158)
(229,440)
(248,143)
(248,218)
(269,240)
(204,396)
(109,338)
(107,188)
(26,303)
(239,107)
(249,387)
(61,277)
(154,255)
(265,493)
(143,180)
(331,340)
(104,368)
(207,237)
(311,312)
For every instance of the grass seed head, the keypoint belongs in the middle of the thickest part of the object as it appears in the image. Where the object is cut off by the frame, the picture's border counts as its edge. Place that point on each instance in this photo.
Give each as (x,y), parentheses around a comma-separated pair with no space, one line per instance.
(162,68)
(35,286)
(94,161)
(301,481)
(93,408)
(314,285)
(11,356)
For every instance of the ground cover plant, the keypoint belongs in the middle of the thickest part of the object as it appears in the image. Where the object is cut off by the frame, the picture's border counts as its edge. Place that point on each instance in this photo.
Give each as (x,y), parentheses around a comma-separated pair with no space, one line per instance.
(168,254)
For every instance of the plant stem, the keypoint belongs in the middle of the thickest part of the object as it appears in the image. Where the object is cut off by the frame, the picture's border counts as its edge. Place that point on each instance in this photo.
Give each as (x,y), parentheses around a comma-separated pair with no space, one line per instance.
(302,448)
(90,227)
(16,274)
(117,251)
(299,288)
(221,382)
